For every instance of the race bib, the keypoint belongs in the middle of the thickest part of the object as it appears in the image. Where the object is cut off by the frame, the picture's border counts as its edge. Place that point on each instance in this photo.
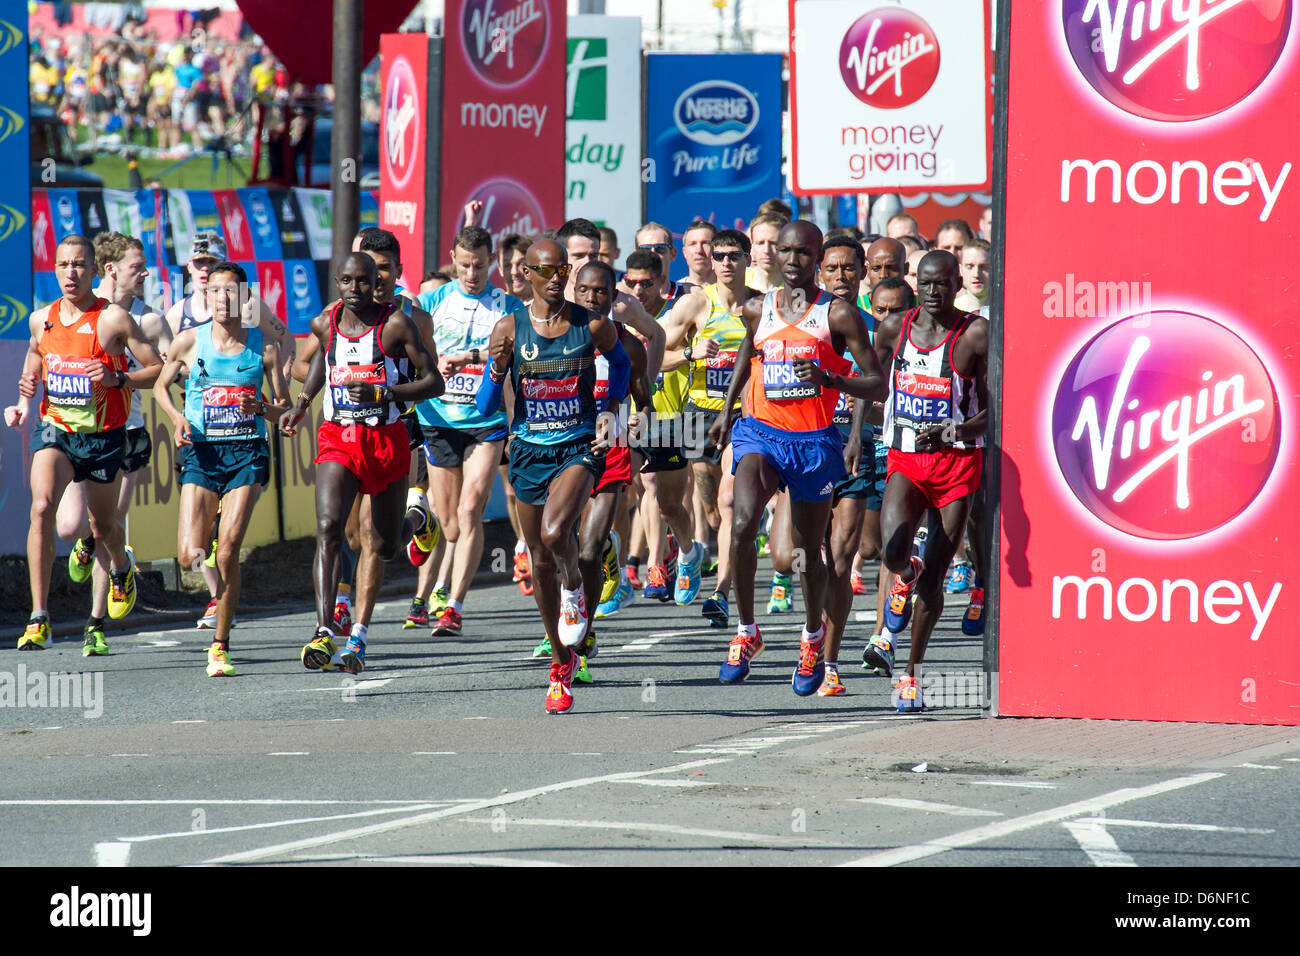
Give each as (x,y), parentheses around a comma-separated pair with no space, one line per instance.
(553,404)
(67,383)
(844,406)
(343,378)
(462,387)
(223,418)
(717,374)
(921,399)
(779,381)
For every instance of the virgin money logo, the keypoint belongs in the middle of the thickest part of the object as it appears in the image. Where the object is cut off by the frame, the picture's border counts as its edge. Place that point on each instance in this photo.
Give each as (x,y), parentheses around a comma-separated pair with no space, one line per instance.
(889,58)
(508,206)
(1166,425)
(504,39)
(401,122)
(1176,61)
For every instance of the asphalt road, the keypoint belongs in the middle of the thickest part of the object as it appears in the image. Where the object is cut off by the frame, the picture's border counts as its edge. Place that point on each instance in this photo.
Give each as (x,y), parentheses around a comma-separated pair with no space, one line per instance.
(440,753)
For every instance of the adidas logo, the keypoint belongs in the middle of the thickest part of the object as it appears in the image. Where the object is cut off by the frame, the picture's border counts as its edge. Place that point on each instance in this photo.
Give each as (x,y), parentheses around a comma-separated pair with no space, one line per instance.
(85,327)
(830,486)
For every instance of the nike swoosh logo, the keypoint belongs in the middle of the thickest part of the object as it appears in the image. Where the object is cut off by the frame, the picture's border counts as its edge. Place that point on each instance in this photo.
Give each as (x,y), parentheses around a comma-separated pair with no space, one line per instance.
(579,348)
(249,369)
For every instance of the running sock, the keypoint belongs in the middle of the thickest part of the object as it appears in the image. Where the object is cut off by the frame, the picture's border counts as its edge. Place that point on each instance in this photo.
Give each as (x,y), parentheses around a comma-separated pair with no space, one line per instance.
(746,630)
(814,636)
(455,605)
(359,632)
(93,621)
(88,542)
(634,563)
(521,547)
(41,615)
(781,580)
(688,555)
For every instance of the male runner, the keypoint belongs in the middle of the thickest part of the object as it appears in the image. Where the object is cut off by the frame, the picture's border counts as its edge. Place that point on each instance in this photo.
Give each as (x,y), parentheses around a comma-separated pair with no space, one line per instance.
(705,331)
(885,258)
(952,236)
(794,344)
(937,361)
(122,269)
(510,263)
(364,448)
(764,275)
(547,351)
(656,238)
(463,448)
(221,435)
(697,246)
(78,348)
(609,250)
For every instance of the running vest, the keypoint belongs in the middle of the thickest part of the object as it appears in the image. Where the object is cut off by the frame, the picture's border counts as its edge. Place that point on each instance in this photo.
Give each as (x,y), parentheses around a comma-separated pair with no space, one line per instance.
(135,418)
(668,391)
(776,397)
(461,323)
(601,389)
(72,401)
(554,381)
(359,361)
(844,406)
(216,386)
(710,378)
(925,389)
(188,320)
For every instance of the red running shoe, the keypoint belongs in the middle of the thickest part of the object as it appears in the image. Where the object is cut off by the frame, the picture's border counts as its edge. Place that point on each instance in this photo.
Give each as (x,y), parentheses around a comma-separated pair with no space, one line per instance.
(559,695)
(448,624)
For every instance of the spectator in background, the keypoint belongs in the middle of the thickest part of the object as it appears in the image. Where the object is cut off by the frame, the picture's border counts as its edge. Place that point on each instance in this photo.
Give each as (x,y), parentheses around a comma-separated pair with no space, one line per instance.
(45,82)
(162,84)
(763,274)
(776,206)
(609,250)
(185,110)
(913,244)
(901,225)
(952,236)
(131,79)
(913,263)
(974,294)
(986,223)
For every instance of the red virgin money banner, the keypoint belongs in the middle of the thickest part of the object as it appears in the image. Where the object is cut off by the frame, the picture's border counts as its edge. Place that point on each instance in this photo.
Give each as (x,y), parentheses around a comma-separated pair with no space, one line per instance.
(1149,398)
(404,167)
(503,115)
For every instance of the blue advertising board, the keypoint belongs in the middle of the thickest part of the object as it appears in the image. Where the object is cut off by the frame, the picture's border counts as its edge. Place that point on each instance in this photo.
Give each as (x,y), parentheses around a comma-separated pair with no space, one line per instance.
(15,186)
(713,137)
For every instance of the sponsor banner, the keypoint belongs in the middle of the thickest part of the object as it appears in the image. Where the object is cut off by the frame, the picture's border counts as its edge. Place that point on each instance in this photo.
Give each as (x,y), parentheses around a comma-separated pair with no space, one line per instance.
(270,286)
(896,96)
(42,233)
(16,223)
(264,229)
(230,220)
(293,236)
(603,124)
(503,115)
(931,209)
(1149,413)
(302,298)
(318,220)
(180,218)
(403,143)
(713,142)
(117,210)
(67,213)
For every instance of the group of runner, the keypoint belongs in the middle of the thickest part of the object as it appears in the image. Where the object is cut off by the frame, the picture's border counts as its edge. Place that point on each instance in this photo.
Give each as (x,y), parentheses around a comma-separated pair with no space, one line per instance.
(790,392)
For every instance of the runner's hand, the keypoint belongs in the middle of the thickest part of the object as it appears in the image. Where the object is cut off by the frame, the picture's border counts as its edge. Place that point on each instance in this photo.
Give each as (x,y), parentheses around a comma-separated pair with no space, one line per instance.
(97,371)
(362,394)
(447,365)
(250,406)
(853,454)
(806,370)
(289,420)
(27,385)
(473,209)
(932,436)
(720,432)
(502,351)
(183,432)
(604,439)
(16,415)
(706,348)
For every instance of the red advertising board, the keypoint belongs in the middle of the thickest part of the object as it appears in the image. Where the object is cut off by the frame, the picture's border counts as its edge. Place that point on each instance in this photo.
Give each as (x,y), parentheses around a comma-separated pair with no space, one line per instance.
(1149,481)
(404,165)
(503,111)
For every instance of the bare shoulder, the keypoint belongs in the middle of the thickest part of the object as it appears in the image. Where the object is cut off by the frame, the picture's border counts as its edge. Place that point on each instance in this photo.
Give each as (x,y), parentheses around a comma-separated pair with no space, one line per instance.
(976,335)
(182,346)
(37,320)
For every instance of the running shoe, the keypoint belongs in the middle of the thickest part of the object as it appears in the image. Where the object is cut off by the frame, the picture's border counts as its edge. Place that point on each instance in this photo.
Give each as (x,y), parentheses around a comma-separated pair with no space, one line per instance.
(36,636)
(448,623)
(670,558)
(972,622)
(93,641)
(898,608)
(209,618)
(573,618)
(418,617)
(588,647)
(623,596)
(878,658)
(416,556)
(960,579)
(559,695)
(121,588)
(715,609)
(81,561)
(582,675)
(761,545)
(740,652)
(709,568)
(219,661)
(342,618)
(609,564)
(856,583)
(688,578)
(831,685)
(907,695)
(543,649)
(633,578)
(354,655)
(526,587)
(656,584)
(780,602)
(317,655)
(521,567)
(211,559)
(810,672)
(918,541)
(438,600)
(426,536)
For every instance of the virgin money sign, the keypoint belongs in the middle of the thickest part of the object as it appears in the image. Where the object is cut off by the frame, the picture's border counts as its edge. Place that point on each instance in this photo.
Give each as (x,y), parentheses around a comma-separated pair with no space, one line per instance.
(404,132)
(503,111)
(1149,568)
(890,96)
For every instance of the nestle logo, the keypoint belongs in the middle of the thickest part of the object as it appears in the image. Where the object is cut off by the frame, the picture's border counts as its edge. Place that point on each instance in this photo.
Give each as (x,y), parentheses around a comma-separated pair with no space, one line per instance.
(716,113)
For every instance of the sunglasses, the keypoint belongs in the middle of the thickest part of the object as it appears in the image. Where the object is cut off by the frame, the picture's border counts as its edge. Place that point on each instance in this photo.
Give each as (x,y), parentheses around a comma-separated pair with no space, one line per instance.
(728,256)
(547,271)
(642,283)
(656,247)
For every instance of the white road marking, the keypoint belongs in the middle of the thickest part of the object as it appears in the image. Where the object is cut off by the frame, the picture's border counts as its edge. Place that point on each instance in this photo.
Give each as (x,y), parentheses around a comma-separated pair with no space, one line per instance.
(433,753)
(189,721)
(1196,827)
(864,616)
(130,755)
(906,803)
(444,860)
(734,751)
(164,643)
(647,828)
(112,854)
(324,839)
(289,753)
(1260,766)
(1100,846)
(1025,784)
(640,644)
(1002,828)
(281,823)
(670,783)
(206,802)
(1292,759)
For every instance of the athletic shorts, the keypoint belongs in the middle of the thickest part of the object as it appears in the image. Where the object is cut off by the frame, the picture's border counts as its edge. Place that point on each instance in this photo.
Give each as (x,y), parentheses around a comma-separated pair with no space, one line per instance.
(869,482)
(223,466)
(618,470)
(695,435)
(809,463)
(139,450)
(941,476)
(414,431)
(377,454)
(661,451)
(449,447)
(95,456)
(533,466)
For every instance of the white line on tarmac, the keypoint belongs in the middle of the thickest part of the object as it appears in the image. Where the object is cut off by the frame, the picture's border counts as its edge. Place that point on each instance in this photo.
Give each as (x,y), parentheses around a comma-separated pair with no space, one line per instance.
(189,721)
(1260,766)
(1024,784)
(289,753)
(206,802)
(325,839)
(1002,828)
(280,823)
(670,783)
(647,828)
(641,644)
(437,860)
(1197,827)
(864,616)
(1100,846)
(433,753)
(906,803)
(112,854)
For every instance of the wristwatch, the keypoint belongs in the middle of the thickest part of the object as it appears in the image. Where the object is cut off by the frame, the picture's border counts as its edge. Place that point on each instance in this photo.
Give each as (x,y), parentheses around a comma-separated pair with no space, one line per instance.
(473,356)
(686,353)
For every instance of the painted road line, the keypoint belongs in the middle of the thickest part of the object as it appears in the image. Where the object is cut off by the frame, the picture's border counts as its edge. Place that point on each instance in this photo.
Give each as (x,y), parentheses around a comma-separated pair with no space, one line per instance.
(1100,846)
(433,860)
(644,827)
(647,782)
(271,824)
(324,839)
(1003,828)
(207,802)
(1196,827)
(1023,784)
(112,854)
(189,721)
(1260,766)
(640,644)
(906,803)
(289,753)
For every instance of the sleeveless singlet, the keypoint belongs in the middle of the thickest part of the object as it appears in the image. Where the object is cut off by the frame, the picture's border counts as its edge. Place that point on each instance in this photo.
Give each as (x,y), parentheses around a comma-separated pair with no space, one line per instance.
(710,378)
(844,406)
(461,323)
(188,320)
(924,389)
(359,361)
(72,402)
(217,384)
(554,381)
(135,417)
(777,398)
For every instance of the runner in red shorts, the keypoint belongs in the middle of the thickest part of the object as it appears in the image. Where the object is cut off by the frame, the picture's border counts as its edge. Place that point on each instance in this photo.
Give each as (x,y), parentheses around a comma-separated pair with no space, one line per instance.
(364,447)
(936,358)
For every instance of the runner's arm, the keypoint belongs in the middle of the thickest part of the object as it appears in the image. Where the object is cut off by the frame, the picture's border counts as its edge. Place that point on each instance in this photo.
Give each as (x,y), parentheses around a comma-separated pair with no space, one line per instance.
(16,414)
(179,358)
(751,312)
(501,348)
(270,323)
(428,382)
(273,368)
(121,323)
(312,382)
(639,385)
(607,340)
(680,329)
(846,321)
(157,331)
(635,315)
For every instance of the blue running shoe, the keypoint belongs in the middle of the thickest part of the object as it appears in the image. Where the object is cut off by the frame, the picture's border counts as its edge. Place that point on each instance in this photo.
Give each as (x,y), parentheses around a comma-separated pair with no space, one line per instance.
(715,609)
(623,596)
(878,658)
(354,655)
(907,695)
(960,579)
(656,583)
(688,578)
(972,622)
(898,609)
(740,652)
(810,673)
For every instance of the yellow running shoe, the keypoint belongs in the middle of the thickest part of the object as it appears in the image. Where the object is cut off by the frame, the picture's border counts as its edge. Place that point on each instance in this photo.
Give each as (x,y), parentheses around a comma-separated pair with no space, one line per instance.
(121,589)
(81,561)
(426,539)
(318,654)
(36,636)
(219,661)
(609,563)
